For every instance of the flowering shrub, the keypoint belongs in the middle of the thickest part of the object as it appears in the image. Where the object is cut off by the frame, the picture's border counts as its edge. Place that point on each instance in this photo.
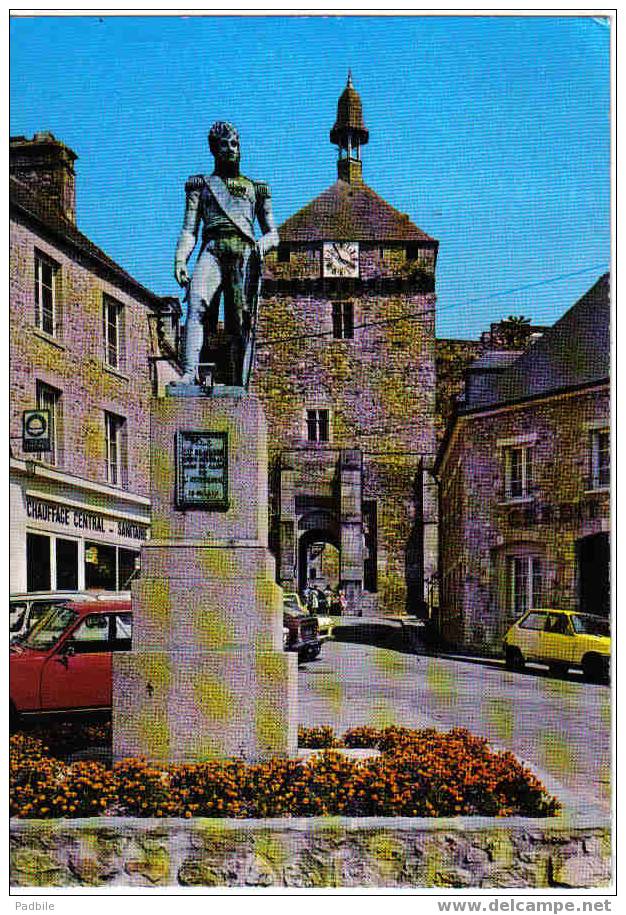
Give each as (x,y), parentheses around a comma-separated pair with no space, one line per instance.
(145,790)
(418,773)
(317,738)
(42,786)
(362,737)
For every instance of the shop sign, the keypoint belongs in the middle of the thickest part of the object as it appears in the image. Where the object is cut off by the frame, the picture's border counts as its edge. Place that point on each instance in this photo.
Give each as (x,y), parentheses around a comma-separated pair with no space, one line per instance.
(36,431)
(81,519)
(202,470)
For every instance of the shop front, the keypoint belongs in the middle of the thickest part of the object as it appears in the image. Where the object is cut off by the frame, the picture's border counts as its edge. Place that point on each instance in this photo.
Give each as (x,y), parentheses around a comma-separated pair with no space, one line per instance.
(70,538)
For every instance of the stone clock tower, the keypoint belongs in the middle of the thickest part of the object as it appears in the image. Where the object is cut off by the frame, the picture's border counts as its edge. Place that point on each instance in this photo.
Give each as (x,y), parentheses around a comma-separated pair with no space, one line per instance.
(345,367)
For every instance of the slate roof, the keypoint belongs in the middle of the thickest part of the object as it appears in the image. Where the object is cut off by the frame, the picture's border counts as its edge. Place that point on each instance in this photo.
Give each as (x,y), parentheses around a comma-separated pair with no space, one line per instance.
(495,359)
(350,212)
(43,212)
(572,353)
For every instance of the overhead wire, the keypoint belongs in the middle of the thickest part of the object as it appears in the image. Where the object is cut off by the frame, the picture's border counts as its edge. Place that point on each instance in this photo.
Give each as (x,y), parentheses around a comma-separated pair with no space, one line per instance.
(423,312)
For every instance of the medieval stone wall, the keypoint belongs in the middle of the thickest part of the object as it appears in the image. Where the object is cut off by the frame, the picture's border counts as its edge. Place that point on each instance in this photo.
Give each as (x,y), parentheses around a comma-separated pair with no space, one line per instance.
(379,386)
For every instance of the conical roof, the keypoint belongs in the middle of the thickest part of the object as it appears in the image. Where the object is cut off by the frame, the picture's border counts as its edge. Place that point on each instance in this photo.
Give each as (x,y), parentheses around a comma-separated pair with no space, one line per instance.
(349,118)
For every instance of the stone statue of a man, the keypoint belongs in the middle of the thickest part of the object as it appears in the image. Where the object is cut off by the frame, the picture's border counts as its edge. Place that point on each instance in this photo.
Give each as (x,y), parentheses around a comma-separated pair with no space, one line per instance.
(226,204)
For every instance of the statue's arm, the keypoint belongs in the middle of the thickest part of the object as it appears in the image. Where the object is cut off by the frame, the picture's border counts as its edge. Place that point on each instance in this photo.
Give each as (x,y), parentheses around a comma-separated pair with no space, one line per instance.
(189,232)
(269,239)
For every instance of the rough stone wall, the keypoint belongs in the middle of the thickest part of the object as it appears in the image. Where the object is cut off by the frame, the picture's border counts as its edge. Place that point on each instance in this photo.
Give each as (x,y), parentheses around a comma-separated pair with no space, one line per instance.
(73,362)
(379,386)
(477,525)
(453,357)
(467,852)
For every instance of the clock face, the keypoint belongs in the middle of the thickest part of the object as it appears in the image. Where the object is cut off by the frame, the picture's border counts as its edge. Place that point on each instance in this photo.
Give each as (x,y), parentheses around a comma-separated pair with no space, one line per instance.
(340,258)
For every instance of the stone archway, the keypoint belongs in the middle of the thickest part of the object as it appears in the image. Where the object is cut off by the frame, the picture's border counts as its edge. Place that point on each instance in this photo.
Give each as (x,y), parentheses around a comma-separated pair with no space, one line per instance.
(318,533)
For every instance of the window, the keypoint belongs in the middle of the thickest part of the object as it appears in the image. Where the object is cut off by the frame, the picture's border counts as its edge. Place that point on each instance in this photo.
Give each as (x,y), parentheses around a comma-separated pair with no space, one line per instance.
(525,583)
(100,567)
(557,624)
(412,252)
(49,398)
(37,562)
(92,635)
(128,568)
(343,320)
(109,568)
(66,564)
(112,325)
(535,621)
(518,472)
(317,425)
(45,294)
(284,254)
(600,458)
(115,428)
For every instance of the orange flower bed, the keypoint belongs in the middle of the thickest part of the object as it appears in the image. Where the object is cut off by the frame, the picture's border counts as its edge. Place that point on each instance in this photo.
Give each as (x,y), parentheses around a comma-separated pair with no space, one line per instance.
(418,773)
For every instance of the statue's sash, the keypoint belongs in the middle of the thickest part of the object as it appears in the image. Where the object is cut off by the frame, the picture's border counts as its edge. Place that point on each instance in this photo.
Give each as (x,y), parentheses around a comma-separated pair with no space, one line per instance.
(224,201)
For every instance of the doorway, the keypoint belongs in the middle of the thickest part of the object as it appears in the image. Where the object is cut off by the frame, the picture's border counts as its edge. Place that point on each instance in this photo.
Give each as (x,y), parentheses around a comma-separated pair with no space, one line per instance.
(593,556)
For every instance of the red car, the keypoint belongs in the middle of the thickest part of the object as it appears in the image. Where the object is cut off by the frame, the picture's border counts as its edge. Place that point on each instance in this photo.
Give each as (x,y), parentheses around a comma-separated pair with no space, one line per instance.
(64,664)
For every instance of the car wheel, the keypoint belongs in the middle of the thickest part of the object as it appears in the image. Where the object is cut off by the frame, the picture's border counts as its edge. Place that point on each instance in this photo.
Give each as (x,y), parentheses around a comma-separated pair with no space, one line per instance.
(595,668)
(514,659)
(14,718)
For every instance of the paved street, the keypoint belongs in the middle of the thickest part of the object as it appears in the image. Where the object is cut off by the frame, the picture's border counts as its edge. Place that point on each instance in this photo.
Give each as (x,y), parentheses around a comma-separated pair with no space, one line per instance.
(561,727)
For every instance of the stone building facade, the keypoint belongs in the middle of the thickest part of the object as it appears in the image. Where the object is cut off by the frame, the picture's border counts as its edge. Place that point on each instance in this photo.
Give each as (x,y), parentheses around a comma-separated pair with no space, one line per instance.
(84,342)
(524,473)
(345,368)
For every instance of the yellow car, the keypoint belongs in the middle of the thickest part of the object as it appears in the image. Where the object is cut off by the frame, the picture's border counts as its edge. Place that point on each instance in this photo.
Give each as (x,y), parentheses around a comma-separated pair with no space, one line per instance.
(561,639)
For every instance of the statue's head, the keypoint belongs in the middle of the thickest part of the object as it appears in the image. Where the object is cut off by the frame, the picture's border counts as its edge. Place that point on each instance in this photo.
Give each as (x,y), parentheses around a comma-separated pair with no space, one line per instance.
(224,143)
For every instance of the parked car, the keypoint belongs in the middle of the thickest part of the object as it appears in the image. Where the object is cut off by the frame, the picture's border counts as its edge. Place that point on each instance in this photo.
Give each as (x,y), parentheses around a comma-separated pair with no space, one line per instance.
(64,664)
(292,601)
(561,639)
(302,635)
(27,609)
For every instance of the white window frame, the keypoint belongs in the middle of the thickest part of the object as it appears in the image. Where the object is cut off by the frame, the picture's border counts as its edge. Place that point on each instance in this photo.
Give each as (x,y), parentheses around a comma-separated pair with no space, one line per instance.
(42,260)
(518,486)
(114,426)
(531,587)
(343,319)
(600,471)
(49,398)
(113,332)
(313,419)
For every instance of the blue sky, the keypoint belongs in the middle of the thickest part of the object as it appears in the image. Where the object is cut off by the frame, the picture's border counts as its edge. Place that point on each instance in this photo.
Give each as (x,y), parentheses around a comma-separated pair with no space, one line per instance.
(492,133)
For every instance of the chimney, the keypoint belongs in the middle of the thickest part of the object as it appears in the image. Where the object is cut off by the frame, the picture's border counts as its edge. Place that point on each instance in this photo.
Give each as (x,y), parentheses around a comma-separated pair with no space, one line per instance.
(47,166)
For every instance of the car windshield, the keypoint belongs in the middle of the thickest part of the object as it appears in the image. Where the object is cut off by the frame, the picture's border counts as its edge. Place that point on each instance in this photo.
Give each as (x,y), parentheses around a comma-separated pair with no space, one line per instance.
(49,629)
(590,625)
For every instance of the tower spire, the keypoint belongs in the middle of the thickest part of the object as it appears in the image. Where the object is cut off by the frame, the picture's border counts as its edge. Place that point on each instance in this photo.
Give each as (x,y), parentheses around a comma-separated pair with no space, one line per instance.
(349,134)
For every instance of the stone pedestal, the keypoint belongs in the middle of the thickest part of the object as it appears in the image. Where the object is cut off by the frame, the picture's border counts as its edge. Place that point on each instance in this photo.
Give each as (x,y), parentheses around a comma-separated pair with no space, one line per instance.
(207,676)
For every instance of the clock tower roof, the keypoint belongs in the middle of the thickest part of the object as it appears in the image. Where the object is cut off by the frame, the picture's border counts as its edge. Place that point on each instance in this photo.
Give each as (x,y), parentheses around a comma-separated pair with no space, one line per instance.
(349,212)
